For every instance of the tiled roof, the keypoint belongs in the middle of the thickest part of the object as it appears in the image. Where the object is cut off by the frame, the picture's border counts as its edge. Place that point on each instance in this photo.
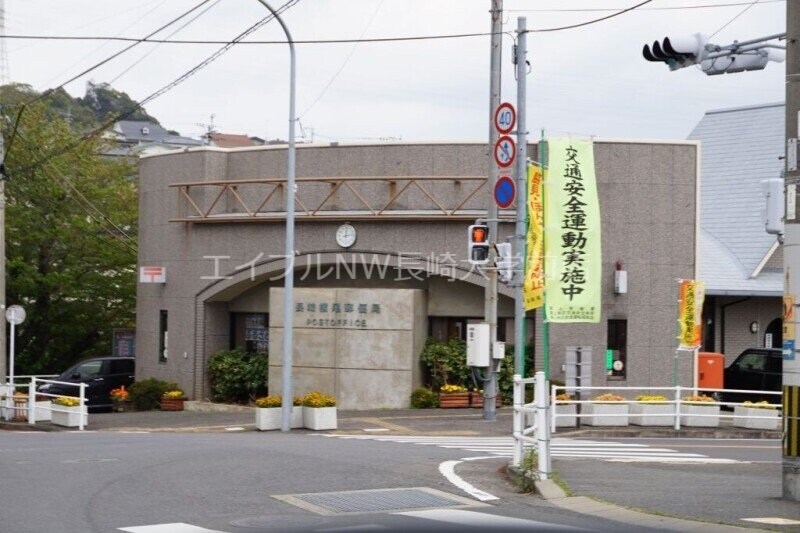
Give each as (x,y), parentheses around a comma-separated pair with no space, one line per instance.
(739,148)
(230,140)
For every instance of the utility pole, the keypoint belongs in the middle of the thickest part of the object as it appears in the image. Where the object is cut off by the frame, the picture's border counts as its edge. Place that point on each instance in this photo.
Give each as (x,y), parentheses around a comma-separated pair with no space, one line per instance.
(791,263)
(522,197)
(490,305)
(3,178)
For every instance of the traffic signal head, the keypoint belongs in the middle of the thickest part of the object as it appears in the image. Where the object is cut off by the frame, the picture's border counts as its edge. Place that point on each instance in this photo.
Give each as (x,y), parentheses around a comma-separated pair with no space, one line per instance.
(505,261)
(478,244)
(678,52)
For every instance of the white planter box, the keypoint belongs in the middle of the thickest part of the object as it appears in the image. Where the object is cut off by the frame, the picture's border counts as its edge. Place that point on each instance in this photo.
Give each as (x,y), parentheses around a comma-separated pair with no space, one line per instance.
(43,413)
(69,416)
(605,414)
(568,409)
(319,418)
(689,416)
(270,418)
(642,414)
(771,423)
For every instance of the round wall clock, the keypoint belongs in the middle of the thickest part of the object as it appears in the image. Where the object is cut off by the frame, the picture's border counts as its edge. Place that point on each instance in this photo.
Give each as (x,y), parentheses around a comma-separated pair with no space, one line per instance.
(346,235)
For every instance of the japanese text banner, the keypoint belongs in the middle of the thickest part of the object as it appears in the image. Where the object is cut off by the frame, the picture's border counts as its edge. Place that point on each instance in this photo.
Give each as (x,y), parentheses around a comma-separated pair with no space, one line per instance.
(572,224)
(690,314)
(533,286)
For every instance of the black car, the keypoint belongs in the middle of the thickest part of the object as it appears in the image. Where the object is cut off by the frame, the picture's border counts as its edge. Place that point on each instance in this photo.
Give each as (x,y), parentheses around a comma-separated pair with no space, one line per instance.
(101,375)
(756,369)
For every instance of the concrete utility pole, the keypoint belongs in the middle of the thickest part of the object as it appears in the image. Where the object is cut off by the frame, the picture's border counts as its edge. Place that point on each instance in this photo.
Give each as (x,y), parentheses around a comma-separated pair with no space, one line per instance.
(522,197)
(3,178)
(490,305)
(791,262)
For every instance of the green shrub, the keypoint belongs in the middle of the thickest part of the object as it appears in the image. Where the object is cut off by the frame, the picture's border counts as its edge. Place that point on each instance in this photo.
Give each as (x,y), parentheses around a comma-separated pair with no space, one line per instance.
(424,399)
(146,394)
(237,376)
(445,363)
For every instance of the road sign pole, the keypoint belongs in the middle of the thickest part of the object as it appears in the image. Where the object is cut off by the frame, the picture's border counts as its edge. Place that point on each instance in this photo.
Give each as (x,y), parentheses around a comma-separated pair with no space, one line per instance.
(522,199)
(490,303)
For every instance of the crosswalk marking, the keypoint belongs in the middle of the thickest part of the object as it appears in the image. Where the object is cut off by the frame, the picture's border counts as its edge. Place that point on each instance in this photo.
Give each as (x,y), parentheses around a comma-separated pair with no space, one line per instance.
(482,520)
(177,527)
(560,447)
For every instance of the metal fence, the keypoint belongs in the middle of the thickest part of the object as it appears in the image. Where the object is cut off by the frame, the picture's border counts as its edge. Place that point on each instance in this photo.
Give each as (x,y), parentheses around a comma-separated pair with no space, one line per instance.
(680,405)
(30,407)
(538,434)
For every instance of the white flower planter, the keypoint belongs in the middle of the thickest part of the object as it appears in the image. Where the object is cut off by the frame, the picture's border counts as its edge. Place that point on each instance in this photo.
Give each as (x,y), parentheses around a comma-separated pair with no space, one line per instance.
(689,416)
(566,415)
(319,418)
(270,418)
(605,414)
(43,413)
(69,416)
(772,423)
(646,414)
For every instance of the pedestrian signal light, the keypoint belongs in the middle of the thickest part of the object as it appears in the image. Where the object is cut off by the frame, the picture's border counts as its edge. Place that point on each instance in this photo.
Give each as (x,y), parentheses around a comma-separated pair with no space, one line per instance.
(478,244)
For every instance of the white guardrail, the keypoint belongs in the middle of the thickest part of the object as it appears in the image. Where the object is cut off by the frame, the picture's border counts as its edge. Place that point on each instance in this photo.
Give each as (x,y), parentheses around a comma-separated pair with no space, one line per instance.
(675,392)
(27,407)
(544,412)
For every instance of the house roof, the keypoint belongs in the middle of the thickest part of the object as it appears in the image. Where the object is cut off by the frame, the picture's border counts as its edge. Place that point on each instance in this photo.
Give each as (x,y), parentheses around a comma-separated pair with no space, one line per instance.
(148,132)
(230,140)
(739,148)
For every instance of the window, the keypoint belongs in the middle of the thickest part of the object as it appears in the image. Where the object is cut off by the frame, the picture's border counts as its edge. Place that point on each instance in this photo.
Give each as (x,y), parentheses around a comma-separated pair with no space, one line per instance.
(163,337)
(752,361)
(121,366)
(89,369)
(616,346)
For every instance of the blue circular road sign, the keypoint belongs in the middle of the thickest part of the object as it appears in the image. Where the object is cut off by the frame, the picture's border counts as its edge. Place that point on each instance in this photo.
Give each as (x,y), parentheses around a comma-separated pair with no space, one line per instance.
(504,192)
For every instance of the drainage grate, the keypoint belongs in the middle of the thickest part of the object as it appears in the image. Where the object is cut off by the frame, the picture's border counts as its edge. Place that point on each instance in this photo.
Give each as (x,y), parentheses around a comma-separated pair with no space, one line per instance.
(375,501)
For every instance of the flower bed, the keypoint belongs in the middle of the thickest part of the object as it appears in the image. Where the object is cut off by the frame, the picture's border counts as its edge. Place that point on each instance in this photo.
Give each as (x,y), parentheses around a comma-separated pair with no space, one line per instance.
(611,411)
(758,409)
(68,412)
(699,411)
(454,397)
(269,413)
(173,400)
(319,411)
(653,411)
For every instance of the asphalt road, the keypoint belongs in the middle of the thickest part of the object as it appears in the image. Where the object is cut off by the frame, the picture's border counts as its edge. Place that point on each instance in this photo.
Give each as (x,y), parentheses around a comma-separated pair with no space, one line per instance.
(107,482)
(718,492)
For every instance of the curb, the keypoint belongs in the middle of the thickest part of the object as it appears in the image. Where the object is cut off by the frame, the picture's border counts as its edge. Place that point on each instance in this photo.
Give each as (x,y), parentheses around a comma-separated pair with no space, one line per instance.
(692,433)
(549,491)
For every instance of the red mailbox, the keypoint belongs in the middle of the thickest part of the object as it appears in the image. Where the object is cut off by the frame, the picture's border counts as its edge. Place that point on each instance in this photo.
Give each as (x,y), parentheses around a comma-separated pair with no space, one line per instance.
(710,370)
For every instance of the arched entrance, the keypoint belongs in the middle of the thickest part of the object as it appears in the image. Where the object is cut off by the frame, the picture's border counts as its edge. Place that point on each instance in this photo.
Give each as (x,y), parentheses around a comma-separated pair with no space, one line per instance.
(775,332)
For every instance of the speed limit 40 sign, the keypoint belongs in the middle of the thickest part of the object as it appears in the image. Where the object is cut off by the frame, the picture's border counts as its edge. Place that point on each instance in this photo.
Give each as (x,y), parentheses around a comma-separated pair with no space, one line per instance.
(505,118)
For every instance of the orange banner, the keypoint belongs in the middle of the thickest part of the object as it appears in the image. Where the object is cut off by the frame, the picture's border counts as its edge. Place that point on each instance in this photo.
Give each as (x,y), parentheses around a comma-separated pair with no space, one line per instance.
(690,314)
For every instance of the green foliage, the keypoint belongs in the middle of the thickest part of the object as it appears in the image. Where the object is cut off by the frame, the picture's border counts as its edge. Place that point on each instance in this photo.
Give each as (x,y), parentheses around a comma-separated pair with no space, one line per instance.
(424,399)
(237,376)
(528,469)
(445,363)
(72,268)
(146,394)
(106,103)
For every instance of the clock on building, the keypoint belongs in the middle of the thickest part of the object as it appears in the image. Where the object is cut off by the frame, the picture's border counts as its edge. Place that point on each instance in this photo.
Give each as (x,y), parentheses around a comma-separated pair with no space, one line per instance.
(346,235)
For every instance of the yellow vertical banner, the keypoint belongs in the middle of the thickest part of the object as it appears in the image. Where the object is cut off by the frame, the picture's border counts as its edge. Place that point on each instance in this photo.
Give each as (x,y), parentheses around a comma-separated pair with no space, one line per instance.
(690,314)
(533,286)
(573,273)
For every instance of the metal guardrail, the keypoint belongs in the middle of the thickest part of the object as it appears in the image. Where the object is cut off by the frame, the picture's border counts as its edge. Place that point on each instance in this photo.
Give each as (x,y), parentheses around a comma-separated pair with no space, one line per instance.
(538,434)
(10,401)
(676,393)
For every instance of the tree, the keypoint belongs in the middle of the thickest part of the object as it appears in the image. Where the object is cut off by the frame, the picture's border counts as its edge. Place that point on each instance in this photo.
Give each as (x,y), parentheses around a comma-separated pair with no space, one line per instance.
(70,237)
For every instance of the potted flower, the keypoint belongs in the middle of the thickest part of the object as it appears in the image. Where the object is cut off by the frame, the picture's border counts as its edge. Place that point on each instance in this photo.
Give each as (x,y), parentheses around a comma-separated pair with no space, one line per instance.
(173,400)
(119,397)
(757,409)
(67,412)
(269,413)
(652,410)
(566,410)
(319,411)
(609,410)
(453,396)
(699,410)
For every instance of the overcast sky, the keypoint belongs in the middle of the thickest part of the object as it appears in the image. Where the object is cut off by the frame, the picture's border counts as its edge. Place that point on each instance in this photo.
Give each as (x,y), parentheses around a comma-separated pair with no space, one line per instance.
(590,81)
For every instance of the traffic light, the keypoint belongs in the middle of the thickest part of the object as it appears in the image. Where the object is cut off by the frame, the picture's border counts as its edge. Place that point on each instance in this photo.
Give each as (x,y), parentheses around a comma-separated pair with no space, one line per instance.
(478,244)
(504,262)
(678,52)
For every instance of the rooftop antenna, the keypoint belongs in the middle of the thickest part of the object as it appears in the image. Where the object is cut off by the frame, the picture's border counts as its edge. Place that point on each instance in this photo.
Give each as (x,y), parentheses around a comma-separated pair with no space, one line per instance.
(208,127)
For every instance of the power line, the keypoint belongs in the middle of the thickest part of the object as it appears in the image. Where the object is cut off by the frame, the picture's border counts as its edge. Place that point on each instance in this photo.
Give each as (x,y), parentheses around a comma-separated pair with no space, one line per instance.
(742,12)
(664,8)
(188,74)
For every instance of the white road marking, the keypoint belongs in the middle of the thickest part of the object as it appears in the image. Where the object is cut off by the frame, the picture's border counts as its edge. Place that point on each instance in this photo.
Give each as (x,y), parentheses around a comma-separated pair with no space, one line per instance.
(560,447)
(483,520)
(448,470)
(177,527)
(775,521)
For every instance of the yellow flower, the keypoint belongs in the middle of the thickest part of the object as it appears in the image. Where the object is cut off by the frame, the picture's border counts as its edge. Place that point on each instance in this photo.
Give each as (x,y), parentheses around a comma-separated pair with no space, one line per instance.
(651,398)
(449,389)
(609,397)
(66,401)
(173,394)
(318,399)
(269,402)
(699,398)
(760,405)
